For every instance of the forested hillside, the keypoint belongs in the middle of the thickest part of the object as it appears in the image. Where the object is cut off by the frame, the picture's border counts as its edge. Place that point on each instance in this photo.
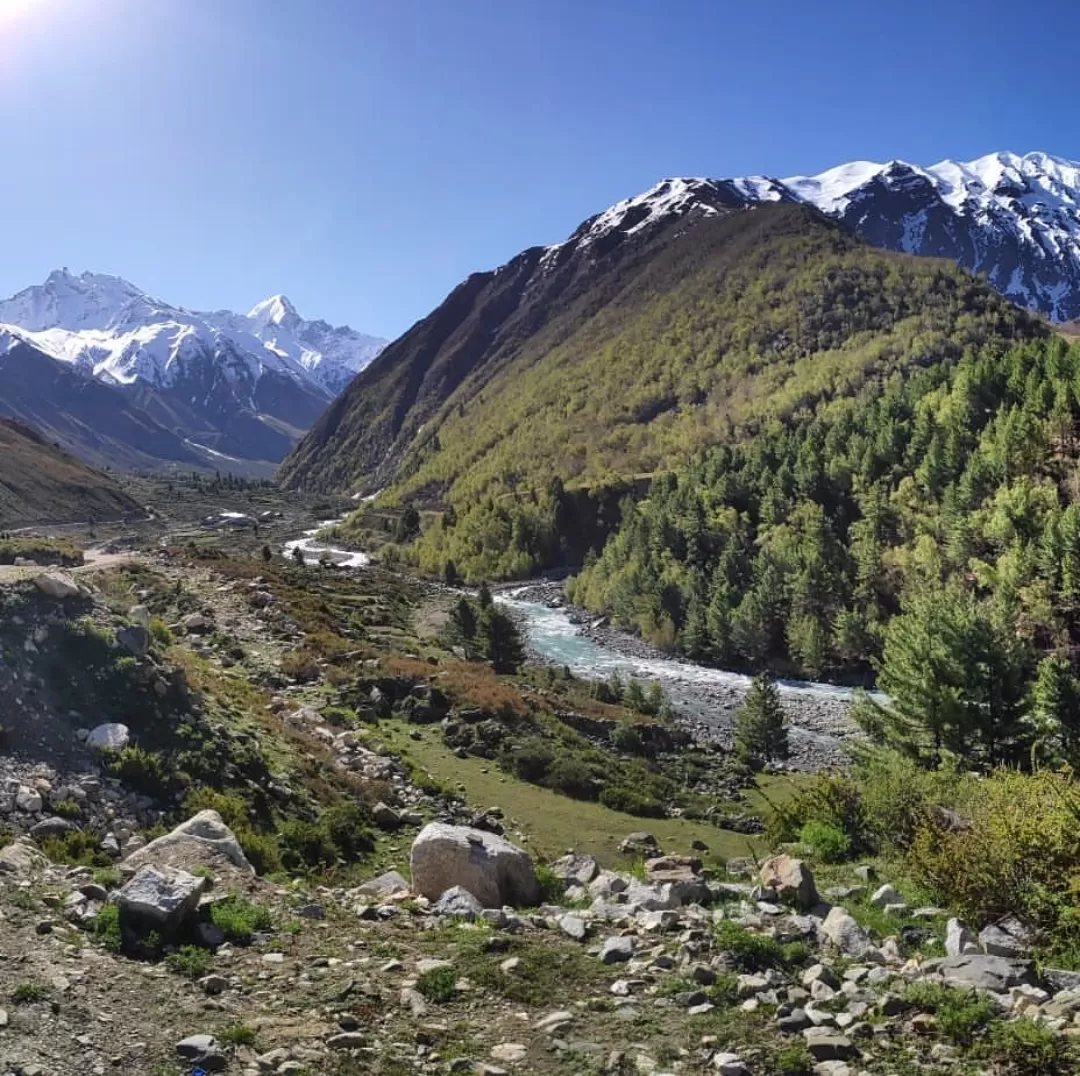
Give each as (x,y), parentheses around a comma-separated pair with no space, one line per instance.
(951,495)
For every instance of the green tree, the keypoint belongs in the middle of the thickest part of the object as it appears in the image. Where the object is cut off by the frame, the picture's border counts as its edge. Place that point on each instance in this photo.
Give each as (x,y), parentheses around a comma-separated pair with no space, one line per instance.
(1055,709)
(760,730)
(499,640)
(955,682)
(463,625)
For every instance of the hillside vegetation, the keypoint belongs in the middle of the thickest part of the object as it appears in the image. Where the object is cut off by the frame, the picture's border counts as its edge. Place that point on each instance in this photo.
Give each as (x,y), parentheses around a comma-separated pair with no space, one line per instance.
(41,483)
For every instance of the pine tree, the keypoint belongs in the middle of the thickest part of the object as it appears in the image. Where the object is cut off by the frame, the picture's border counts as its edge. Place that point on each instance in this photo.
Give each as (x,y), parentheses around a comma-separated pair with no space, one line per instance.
(760,730)
(1056,709)
(463,625)
(500,640)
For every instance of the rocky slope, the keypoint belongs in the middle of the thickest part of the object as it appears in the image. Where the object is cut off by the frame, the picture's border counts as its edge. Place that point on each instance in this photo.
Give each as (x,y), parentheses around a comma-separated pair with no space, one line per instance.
(39,483)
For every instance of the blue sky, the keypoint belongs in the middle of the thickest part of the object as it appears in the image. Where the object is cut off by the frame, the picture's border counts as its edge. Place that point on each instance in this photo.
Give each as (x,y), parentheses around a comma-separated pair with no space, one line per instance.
(364,157)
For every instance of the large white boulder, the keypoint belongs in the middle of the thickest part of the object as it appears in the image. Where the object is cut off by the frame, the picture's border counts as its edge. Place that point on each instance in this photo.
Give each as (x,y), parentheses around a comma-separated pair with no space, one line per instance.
(202,841)
(492,869)
(791,880)
(112,736)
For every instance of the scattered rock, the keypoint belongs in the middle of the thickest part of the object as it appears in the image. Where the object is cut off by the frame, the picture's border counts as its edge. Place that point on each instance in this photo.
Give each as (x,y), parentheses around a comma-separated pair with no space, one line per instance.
(111,736)
(460,903)
(842,930)
(576,869)
(202,841)
(617,950)
(958,939)
(56,585)
(997,974)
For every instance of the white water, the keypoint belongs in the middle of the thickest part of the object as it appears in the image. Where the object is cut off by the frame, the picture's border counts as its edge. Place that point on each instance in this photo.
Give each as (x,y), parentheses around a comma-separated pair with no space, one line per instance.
(314,551)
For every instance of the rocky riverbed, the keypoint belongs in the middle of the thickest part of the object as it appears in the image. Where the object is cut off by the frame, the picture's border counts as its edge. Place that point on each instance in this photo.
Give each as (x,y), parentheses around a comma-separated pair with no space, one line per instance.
(706,699)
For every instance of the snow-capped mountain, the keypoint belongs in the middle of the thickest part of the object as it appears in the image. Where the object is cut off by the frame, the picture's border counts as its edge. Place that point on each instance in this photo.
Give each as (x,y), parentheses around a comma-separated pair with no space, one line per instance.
(236,386)
(1014,218)
(121,334)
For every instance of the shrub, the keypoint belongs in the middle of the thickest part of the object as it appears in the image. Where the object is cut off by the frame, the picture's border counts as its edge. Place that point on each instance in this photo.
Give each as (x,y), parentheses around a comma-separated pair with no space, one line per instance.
(1023,1047)
(239,919)
(66,809)
(627,739)
(794,1060)
(570,776)
(77,847)
(438,985)
(756,952)
(961,1015)
(1019,852)
(190,961)
(827,842)
(530,759)
(834,801)
(161,633)
(237,1035)
(25,993)
(552,887)
(106,928)
(141,769)
(631,801)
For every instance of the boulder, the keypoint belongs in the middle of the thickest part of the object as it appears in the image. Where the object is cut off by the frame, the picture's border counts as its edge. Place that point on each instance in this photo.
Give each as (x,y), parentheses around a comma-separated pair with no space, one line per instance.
(885,894)
(112,736)
(1007,937)
(492,869)
(617,950)
(140,615)
(997,974)
(134,638)
(21,857)
(202,841)
(50,827)
(576,869)
(56,585)
(161,900)
(791,880)
(842,930)
(460,903)
(385,886)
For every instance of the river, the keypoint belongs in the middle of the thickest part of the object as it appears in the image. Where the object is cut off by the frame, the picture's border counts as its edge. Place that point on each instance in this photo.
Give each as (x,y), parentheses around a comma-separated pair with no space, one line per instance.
(706,699)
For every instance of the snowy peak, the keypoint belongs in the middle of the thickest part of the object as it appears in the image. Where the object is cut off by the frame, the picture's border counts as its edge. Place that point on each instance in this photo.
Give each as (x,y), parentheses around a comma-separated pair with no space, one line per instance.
(277,310)
(1014,217)
(118,333)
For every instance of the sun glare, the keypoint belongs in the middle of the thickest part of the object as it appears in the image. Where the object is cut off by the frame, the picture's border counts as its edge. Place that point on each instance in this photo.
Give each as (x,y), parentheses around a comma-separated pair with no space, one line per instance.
(10,10)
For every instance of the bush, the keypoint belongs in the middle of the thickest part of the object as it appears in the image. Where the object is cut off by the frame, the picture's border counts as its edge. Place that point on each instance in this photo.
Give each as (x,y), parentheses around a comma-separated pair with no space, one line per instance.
(341,832)
(825,841)
(239,919)
(552,887)
(530,759)
(571,777)
(76,847)
(631,801)
(757,952)
(142,770)
(26,993)
(794,1060)
(1023,1047)
(106,928)
(190,961)
(438,985)
(834,801)
(627,739)
(1018,852)
(161,633)
(960,1014)
(237,1035)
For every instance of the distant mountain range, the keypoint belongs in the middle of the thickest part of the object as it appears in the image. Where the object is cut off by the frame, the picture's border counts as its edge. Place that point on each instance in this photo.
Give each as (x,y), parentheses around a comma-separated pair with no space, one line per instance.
(219,389)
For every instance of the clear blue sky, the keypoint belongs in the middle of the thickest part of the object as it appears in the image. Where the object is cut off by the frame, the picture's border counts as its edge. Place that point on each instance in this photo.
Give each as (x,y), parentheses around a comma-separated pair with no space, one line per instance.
(363,157)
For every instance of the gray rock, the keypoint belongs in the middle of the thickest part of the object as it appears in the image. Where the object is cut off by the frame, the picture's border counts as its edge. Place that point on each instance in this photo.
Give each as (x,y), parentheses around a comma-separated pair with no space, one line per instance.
(460,903)
(56,585)
(50,827)
(1007,937)
(139,614)
(728,1064)
(576,869)
(203,840)
(214,984)
(958,939)
(617,950)
(384,886)
(386,818)
(347,1040)
(997,974)
(829,1046)
(791,880)
(204,1051)
(1059,979)
(886,894)
(163,900)
(574,927)
(793,1022)
(134,638)
(26,799)
(842,930)
(492,869)
(111,736)
(819,973)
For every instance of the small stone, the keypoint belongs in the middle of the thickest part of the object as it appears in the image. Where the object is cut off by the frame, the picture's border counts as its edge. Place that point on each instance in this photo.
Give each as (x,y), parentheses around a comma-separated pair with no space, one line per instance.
(574,927)
(509,1053)
(346,1040)
(214,984)
(617,950)
(886,894)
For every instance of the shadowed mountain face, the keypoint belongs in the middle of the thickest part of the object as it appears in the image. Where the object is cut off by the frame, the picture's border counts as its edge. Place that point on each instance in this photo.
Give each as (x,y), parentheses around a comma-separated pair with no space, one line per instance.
(659,327)
(40,483)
